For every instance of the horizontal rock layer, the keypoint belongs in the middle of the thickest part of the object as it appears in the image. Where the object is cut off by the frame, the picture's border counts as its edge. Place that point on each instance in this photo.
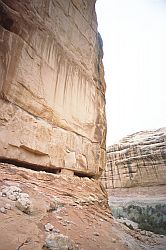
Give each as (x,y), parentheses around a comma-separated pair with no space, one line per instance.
(61,207)
(52,104)
(137,160)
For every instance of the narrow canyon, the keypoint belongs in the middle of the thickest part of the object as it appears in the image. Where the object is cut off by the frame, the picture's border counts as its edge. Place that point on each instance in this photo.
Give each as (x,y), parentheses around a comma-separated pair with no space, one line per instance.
(53,132)
(135,179)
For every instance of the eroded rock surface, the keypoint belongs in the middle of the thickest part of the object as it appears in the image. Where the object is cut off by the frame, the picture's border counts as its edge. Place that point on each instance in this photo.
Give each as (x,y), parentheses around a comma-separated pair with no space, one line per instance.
(52,104)
(69,212)
(137,160)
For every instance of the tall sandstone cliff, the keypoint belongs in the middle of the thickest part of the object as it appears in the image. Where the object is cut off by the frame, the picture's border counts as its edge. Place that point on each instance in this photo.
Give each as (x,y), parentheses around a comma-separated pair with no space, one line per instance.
(52,118)
(137,160)
(52,88)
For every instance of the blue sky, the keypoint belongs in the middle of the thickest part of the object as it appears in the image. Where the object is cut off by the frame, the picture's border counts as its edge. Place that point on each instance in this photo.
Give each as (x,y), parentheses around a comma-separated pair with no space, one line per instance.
(134,37)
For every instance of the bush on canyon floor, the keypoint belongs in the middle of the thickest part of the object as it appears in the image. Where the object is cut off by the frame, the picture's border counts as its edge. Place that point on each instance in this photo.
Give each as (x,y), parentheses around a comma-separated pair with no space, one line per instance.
(149,218)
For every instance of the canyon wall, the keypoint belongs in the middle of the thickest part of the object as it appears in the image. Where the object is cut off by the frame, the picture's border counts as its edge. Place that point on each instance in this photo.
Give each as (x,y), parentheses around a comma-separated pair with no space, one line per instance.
(52,88)
(137,160)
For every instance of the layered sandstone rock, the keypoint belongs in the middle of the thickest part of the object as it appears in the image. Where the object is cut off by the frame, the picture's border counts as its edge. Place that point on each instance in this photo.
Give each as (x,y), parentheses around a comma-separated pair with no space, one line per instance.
(137,160)
(52,104)
(66,213)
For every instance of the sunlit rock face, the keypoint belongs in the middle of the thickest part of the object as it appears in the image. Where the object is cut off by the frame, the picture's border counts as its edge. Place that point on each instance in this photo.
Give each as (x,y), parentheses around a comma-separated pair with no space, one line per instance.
(52,88)
(137,160)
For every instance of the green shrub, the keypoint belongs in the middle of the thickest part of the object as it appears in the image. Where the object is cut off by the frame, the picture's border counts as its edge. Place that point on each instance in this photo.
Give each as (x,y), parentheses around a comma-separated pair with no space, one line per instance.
(149,218)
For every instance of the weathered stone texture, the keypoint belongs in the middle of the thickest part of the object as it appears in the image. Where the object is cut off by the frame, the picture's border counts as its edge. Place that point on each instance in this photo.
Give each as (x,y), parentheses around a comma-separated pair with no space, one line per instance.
(52,106)
(137,160)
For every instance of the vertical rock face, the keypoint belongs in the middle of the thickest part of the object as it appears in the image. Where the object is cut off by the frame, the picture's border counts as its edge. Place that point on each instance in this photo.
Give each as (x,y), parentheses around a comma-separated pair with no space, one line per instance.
(52,88)
(137,160)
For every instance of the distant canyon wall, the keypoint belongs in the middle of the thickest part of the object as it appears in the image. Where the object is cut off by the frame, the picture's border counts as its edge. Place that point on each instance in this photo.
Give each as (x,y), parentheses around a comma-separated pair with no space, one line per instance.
(52,88)
(137,160)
